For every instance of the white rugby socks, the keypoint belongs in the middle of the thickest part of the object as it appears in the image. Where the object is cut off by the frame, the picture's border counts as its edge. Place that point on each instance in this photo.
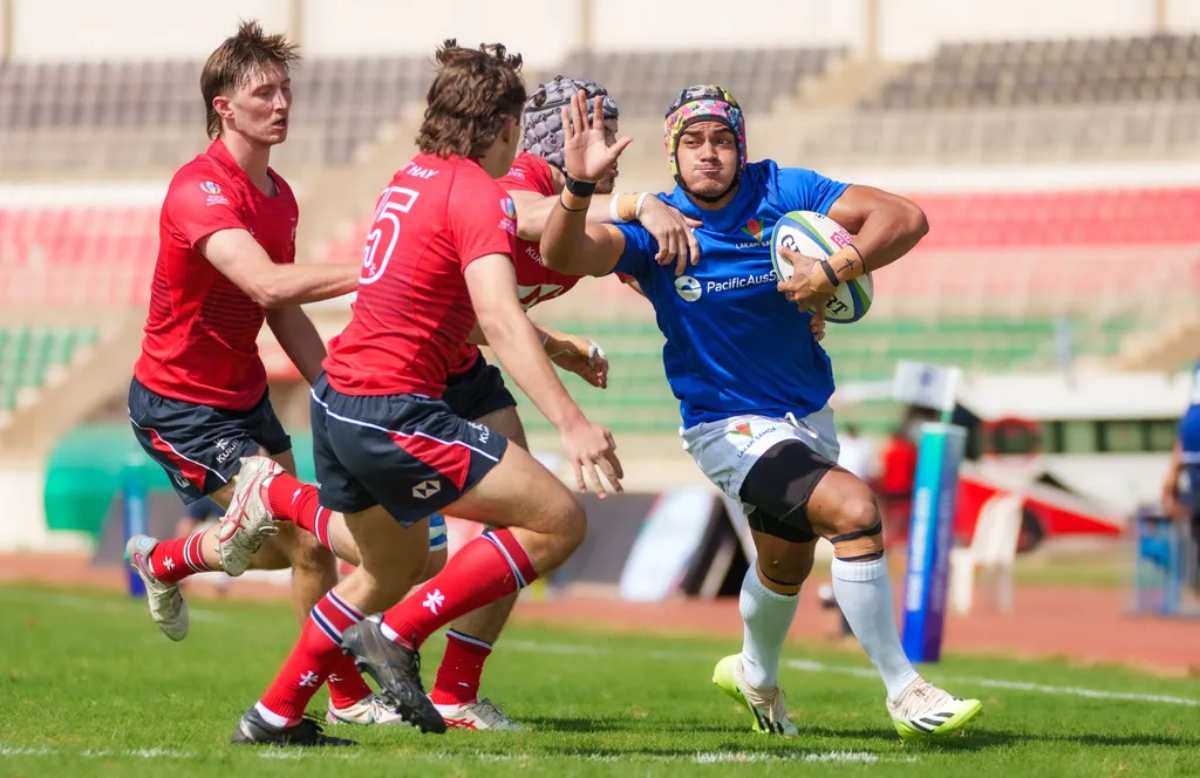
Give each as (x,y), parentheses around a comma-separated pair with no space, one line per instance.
(864,593)
(767,616)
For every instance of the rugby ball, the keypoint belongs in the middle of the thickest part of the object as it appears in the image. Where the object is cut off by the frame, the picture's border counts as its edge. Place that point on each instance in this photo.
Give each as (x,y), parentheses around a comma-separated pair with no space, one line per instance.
(815,235)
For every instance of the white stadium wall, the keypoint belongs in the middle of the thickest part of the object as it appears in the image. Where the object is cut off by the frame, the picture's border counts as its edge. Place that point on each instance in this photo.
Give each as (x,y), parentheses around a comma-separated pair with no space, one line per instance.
(541,30)
(131,29)
(911,29)
(544,30)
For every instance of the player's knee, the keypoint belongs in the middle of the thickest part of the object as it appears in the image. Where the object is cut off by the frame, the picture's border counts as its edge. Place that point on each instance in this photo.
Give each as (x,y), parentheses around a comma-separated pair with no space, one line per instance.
(857,528)
(856,514)
(568,525)
(309,556)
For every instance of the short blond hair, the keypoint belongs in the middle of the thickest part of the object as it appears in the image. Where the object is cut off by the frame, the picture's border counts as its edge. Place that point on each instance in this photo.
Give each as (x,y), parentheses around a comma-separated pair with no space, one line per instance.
(236,60)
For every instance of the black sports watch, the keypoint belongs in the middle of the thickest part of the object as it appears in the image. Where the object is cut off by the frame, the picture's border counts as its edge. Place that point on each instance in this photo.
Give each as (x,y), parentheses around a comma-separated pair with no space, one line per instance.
(579,188)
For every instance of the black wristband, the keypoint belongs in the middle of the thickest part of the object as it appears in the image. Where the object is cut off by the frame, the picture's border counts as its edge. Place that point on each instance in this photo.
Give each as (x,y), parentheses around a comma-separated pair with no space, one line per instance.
(579,188)
(860,256)
(570,210)
(828,268)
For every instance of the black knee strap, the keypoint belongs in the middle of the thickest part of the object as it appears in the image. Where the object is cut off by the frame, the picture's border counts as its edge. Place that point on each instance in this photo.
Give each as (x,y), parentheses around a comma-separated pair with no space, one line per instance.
(858,533)
(779,485)
(863,557)
(776,580)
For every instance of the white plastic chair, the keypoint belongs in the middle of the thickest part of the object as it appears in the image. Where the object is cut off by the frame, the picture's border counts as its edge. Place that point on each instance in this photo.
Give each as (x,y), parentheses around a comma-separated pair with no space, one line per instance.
(993,548)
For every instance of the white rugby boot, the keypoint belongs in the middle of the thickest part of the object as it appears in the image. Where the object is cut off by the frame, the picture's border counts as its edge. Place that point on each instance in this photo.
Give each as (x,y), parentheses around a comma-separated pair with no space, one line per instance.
(167,606)
(924,711)
(248,520)
(372,709)
(477,715)
(768,706)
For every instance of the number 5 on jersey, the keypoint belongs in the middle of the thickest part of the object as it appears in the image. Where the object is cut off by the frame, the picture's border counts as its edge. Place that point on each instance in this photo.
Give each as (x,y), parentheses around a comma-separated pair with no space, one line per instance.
(385,231)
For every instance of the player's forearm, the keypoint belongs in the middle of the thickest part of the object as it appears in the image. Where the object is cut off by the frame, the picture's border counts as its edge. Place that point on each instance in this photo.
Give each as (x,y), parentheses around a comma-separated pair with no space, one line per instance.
(520,349)
(566,245)
(533,213)
(295,284)
(551,338)
(299,340)
(887,234)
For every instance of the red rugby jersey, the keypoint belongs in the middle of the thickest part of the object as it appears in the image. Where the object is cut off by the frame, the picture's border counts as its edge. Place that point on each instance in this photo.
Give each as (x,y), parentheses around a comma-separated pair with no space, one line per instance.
(199,343)
(535,282)
(413,311)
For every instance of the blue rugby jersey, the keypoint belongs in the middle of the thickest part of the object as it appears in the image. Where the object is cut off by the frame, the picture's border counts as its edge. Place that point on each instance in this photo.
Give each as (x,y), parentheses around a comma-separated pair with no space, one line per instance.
(1189,425)
(734,343)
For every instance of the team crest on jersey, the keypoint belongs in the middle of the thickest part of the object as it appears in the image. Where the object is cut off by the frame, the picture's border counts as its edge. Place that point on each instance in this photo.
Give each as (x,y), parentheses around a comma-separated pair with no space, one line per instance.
(506,205)
(213,192)
(756,230)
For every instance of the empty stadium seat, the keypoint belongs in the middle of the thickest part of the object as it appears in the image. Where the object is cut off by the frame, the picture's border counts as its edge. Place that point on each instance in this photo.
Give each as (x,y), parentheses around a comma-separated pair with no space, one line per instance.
(71,256)
(28,355)
(344,100)
(1046,72)
(645,82)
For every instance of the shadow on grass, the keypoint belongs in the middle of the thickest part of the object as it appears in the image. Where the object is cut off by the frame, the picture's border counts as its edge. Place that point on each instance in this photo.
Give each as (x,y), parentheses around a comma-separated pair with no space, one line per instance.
(974,739)
(615,724)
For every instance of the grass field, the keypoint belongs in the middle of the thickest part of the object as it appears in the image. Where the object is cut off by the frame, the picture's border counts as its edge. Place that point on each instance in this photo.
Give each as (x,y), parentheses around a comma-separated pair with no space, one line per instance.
(89,687)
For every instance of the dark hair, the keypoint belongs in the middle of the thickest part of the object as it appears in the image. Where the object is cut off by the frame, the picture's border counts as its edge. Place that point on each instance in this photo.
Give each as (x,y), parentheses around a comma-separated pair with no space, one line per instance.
(236,60)
(474,91)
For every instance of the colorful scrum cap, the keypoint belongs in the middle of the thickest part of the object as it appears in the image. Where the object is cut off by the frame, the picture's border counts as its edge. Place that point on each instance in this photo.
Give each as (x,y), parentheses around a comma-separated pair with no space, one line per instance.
(543,115)
(705,102)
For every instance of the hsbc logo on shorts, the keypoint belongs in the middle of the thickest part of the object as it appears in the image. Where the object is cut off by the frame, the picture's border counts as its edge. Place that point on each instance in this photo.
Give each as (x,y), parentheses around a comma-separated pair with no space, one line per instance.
(426,489)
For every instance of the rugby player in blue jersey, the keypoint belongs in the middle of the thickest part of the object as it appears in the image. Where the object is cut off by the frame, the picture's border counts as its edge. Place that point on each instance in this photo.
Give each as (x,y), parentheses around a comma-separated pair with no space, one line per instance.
(1185,459)
(753,383)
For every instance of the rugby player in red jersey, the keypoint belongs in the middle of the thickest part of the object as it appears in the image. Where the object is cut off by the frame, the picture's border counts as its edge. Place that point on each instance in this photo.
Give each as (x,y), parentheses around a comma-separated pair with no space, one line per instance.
(390,451)
(475,390)
(198,400)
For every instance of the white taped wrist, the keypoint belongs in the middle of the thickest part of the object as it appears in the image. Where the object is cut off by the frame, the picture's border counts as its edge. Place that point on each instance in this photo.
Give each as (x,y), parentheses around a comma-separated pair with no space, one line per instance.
(637,211)
(614,214)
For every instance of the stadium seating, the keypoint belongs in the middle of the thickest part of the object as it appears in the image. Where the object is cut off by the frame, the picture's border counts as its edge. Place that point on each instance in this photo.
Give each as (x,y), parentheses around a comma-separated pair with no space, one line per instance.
(1122,217)
(644,83)
(29,355)
(1048,72)
(638,399)
(69,256)
(341,103)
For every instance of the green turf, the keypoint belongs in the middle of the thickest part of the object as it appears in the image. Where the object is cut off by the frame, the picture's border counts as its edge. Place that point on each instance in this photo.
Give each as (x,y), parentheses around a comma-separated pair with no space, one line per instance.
(89,687)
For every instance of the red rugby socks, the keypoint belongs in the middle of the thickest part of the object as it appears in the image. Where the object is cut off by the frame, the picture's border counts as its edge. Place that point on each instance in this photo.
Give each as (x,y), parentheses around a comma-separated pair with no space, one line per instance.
(486,569)
(173,560)
(316,656)
(292,500)
(461,668)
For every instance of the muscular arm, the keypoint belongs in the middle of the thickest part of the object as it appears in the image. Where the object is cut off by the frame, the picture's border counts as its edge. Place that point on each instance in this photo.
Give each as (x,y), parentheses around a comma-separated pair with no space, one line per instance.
(885,227)
(242,260)
(493,288)
(533,209)
(571,245)
(671,229)
(299,339)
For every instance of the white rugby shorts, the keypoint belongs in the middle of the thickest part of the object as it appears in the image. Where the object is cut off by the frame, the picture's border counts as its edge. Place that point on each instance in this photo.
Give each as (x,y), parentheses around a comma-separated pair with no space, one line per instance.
(727,449)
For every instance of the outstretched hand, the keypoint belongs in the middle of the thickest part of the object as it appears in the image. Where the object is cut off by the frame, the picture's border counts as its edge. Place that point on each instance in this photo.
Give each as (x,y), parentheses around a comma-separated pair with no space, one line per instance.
(586,154)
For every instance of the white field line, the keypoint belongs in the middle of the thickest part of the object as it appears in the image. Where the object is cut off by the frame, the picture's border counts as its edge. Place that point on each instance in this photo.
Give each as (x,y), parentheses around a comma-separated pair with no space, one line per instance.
(810,666)
(700,757)
(100,753)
